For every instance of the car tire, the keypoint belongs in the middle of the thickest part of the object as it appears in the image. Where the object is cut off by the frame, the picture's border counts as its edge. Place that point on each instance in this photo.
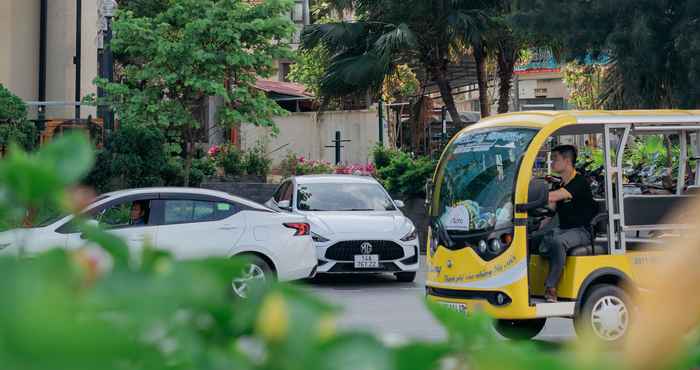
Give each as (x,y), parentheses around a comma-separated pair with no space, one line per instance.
(519,329)
(255,270)
(605,314)
(405,277)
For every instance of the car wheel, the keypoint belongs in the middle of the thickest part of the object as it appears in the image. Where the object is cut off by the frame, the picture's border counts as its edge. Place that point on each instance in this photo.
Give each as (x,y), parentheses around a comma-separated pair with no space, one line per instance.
(605,314)
(405,277)
(254,272)
(519,329)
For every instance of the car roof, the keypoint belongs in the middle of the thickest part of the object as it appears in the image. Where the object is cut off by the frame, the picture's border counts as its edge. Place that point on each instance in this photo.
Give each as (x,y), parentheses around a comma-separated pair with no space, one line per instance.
(181,190)
(335,179)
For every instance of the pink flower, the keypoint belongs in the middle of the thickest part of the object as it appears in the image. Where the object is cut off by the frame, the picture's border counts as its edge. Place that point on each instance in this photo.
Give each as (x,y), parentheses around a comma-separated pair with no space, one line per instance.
(213,151)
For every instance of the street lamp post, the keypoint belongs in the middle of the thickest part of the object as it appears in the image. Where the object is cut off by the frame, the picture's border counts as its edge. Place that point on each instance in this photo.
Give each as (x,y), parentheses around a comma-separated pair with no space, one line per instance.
(107,9)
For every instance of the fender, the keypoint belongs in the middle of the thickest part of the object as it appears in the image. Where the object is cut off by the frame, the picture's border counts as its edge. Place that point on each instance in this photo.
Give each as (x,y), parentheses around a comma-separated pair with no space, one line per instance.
(602,275)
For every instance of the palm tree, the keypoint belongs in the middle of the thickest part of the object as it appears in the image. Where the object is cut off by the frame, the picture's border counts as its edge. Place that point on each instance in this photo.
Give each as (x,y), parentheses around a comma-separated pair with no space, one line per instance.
(387,33)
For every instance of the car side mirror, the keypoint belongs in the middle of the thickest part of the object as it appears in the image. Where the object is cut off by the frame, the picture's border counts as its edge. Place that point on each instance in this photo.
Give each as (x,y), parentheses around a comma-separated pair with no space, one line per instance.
(285,205)
(400,203)
(537,196)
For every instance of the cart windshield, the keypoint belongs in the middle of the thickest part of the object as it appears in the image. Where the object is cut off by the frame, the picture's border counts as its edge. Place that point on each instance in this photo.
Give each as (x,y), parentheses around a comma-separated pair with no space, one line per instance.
(476,179)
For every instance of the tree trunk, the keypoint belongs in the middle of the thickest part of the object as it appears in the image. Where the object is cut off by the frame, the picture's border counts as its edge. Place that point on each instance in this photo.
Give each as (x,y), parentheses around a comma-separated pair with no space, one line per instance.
(506,69)
(446,93)
(482,81)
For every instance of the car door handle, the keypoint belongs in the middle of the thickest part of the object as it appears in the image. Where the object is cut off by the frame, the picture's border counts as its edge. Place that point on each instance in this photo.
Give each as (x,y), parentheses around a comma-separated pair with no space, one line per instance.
(228,227)
(137,239)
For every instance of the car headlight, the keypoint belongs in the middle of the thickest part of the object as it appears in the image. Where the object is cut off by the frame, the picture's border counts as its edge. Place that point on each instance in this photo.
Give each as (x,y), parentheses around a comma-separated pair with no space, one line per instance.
(318,238)
(412,235)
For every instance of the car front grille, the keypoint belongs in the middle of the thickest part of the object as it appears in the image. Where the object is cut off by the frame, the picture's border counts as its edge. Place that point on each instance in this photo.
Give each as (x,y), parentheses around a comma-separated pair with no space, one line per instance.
(346,250)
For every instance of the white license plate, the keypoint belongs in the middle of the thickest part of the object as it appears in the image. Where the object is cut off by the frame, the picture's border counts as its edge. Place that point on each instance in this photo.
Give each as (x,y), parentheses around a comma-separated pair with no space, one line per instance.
(364,261)
(459,307)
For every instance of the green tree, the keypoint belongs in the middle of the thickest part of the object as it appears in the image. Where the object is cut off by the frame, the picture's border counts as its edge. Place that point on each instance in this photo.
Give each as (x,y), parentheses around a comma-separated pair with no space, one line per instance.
(309,68)
(584,83)
(653,46)
(387,33)
(190,51)
(14,126)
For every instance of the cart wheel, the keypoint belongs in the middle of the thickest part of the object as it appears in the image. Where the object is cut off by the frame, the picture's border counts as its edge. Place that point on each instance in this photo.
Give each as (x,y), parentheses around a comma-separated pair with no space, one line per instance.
(519,329)
(605,314)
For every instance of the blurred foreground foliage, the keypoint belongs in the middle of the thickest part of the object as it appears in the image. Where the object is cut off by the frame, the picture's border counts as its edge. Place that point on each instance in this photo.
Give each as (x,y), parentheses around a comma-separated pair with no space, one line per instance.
(100,308)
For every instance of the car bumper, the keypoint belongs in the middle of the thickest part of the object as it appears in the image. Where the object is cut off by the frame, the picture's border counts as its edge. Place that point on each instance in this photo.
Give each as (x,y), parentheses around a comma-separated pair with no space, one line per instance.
(297,261)
(407,263)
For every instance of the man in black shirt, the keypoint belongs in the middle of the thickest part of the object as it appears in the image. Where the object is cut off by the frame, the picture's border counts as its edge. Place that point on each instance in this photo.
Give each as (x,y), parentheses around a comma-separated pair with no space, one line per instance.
(576,208)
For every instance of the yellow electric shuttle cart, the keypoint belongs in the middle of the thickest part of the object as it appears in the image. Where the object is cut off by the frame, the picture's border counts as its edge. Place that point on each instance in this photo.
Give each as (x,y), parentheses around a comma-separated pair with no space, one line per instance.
(486,201)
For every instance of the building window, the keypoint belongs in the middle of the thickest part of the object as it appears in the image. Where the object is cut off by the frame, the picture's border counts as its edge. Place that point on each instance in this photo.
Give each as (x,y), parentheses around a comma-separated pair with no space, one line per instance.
(298,13)
(296,38)
(284,71)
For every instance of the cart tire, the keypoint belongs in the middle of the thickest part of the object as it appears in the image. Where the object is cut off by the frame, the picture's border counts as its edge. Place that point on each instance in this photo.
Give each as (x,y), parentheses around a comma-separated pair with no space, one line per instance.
(605,314)
(519,329)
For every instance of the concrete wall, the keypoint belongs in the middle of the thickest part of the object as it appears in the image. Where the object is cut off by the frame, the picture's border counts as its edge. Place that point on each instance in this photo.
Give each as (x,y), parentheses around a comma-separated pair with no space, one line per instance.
(19,47)
(19,51)
(303,134)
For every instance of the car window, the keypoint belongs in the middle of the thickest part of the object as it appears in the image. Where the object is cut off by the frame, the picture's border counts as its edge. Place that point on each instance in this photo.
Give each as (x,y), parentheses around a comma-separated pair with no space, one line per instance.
(120,215)
(279,191)
(283,192)
(179,211)
(287,192)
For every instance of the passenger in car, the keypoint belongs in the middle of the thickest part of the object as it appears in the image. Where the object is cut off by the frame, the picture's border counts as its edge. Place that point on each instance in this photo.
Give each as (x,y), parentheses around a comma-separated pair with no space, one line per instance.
(138,213)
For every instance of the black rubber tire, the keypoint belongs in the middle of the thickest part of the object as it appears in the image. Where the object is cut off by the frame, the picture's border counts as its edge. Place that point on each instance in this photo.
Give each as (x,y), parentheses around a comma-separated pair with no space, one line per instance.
(582,321)
(519,329)
(405,277)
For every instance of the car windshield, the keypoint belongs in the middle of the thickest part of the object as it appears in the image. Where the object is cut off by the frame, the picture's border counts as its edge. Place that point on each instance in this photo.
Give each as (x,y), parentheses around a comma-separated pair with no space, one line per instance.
(343,197)
(47,216)
(475,181)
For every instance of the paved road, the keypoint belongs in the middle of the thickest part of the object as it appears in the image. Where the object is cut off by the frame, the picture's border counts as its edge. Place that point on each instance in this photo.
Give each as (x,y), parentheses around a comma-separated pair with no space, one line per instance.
(396,311)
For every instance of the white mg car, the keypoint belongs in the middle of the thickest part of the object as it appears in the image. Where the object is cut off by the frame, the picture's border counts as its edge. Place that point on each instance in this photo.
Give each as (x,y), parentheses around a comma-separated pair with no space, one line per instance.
(190,224)
(356,226)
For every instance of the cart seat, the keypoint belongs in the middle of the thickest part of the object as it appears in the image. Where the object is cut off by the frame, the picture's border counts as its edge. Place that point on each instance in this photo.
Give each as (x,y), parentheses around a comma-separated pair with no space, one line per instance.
(587,250)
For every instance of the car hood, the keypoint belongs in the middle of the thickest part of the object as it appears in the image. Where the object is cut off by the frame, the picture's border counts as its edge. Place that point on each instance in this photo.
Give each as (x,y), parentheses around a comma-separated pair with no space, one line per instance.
(330,223)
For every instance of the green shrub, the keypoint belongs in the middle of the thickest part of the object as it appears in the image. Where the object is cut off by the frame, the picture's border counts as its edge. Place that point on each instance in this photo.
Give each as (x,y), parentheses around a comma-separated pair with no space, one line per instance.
(134,156)
(401,173)
(256,161)
(382,156)
(232,160)
(14,126)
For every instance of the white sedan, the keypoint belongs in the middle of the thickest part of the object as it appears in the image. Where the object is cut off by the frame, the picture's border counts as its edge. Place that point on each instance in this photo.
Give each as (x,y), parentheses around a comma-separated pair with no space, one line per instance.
(356,226)
(190,224)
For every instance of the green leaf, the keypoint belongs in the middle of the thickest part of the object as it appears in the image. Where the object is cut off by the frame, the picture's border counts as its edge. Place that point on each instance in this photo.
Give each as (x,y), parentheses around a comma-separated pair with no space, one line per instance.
(70,155)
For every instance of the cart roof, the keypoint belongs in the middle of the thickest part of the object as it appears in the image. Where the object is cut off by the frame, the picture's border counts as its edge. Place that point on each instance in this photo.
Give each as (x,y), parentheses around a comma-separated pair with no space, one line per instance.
(541,119)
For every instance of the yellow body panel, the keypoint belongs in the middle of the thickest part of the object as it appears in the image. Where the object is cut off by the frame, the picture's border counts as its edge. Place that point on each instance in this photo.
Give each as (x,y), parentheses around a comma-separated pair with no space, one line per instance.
(511,273)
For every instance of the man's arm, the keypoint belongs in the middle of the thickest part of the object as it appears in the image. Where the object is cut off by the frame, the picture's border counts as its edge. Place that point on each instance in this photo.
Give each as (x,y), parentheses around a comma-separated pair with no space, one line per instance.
(559,195)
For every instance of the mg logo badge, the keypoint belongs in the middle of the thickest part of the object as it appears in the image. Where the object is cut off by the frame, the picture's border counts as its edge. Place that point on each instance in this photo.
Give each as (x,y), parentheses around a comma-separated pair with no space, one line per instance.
(449,264)
(366,248)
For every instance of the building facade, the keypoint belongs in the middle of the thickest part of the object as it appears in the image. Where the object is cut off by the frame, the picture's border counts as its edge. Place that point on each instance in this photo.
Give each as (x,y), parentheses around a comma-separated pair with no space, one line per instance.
(21,67)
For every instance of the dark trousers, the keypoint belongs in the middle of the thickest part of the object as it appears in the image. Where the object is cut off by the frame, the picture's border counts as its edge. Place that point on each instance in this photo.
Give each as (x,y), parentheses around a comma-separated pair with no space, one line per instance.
(555,244)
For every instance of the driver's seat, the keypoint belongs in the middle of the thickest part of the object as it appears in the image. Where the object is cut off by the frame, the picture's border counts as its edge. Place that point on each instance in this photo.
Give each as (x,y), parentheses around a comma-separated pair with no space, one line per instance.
(598,225)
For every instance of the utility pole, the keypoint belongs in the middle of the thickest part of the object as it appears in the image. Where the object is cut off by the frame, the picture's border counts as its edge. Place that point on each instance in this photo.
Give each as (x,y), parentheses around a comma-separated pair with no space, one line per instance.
(76,59)
(337,144)
(380,105)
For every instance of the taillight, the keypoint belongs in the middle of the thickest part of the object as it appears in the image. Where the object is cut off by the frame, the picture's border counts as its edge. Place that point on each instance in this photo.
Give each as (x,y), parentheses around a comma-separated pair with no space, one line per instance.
(302,228)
